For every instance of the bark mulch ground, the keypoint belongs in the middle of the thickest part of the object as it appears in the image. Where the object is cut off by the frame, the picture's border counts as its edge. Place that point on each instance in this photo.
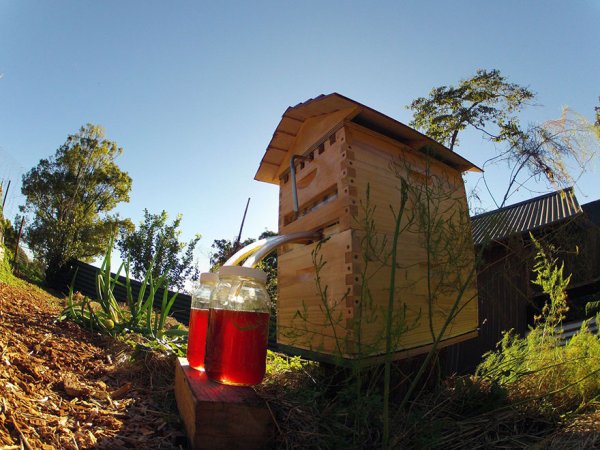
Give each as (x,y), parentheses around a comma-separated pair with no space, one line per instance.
(64,387)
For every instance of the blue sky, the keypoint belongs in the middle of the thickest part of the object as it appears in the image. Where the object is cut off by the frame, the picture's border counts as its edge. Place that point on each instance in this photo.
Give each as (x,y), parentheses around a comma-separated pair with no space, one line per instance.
(193,91)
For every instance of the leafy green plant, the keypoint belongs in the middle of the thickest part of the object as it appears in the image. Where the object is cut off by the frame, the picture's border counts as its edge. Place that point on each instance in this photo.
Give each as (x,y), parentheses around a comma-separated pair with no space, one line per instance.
(155,247)
(5,270)
(541,366)
(134,314)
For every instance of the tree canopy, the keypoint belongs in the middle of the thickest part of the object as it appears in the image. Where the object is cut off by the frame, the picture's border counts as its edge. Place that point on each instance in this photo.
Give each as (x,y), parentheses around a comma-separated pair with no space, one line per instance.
(157,240)
(69,196)
(557,151)
(485,99)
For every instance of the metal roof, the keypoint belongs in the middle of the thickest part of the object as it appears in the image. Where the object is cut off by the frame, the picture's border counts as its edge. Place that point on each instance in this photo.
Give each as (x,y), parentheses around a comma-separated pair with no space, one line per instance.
(343,109)
(525,216)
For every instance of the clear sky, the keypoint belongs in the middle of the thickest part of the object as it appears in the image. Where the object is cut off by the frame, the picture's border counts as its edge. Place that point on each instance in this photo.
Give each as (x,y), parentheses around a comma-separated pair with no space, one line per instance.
(193,91)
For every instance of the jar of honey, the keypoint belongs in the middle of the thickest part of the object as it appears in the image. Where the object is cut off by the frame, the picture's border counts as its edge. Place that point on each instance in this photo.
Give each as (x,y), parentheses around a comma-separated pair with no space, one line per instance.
(238,328)
(199,319)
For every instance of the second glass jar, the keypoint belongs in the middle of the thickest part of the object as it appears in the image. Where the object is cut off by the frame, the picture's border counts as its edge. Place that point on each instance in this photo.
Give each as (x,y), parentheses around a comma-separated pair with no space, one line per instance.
(238,327)
(199,319)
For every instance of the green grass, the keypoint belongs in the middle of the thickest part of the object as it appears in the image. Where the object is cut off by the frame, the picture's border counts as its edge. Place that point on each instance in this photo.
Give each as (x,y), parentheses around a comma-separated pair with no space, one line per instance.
(6,273)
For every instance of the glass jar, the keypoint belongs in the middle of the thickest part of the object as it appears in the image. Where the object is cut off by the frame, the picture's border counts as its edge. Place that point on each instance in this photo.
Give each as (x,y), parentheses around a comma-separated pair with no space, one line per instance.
(238,328)
(199,319)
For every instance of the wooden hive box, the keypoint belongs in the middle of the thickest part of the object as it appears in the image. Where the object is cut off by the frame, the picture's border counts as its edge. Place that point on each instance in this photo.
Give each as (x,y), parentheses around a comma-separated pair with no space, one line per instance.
(358,171)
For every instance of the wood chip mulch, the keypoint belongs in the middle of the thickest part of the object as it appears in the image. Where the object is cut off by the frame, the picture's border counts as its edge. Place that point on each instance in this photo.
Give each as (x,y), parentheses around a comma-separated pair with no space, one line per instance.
(62,387)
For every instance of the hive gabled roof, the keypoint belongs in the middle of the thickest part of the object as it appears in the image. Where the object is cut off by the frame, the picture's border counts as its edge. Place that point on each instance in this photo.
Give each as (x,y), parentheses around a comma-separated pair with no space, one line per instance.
(525,216)
(294,117)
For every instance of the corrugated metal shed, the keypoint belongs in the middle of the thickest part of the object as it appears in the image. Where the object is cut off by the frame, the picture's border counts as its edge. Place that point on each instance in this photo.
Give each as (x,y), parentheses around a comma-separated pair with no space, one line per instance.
(525,216)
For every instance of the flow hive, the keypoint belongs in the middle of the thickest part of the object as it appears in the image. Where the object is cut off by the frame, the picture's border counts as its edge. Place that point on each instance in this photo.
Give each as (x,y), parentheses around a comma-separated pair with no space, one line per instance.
(355,171)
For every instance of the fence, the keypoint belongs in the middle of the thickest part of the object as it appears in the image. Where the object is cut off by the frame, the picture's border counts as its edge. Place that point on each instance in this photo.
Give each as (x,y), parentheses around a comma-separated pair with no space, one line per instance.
(85,282)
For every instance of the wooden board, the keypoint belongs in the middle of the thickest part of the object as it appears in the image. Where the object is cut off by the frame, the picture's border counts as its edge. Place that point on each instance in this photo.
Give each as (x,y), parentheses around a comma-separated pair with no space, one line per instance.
(354,323)
(313,132)
(317,178)
(217,416)
(304,317)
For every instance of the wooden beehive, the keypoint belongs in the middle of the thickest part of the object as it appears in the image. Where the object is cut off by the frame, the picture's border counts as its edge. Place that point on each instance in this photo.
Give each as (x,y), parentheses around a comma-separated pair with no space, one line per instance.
(359,171)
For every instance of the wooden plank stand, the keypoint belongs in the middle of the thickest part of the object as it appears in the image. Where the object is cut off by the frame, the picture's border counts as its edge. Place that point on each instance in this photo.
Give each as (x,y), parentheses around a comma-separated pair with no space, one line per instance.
(217,416)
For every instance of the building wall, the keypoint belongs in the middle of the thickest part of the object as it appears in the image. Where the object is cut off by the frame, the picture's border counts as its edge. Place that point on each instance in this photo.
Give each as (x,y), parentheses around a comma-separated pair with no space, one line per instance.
(502,284)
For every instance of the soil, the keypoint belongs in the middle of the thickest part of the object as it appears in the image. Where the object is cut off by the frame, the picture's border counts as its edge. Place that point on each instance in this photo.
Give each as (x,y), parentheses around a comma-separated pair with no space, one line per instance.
(66,388)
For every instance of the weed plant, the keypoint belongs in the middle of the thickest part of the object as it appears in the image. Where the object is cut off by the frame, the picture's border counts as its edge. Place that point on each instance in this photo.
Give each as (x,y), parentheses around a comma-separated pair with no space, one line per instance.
(541,366)
(524,386)
(360,404)
(130,315)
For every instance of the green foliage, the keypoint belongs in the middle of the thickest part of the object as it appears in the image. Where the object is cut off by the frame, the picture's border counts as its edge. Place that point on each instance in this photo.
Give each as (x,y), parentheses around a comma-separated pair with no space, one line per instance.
(69,196)
(24,267)
(32,270)
(550,277)
(6,275)
(21,265)
(11,230)
(135,314)
(485,99)
(592,306)
(540,366)
(279,365)
(155,247)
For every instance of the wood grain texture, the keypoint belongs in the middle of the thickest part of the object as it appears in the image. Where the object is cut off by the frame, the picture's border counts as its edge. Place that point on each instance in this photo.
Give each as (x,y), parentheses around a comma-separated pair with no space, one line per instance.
(350,321)
(217,416)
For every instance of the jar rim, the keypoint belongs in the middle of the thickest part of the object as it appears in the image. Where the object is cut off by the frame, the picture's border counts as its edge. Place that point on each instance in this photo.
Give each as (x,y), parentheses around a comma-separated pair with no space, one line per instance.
(240,271)
(209,277)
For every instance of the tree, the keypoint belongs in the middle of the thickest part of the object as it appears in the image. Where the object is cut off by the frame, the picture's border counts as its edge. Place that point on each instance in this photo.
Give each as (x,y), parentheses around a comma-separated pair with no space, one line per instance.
(69,196)
(157,240)
(482,100)
(558,151)
(489,103)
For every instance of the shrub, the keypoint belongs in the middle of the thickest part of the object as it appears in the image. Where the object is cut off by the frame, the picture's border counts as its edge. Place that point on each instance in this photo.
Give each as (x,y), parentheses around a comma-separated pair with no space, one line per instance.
(541,365)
